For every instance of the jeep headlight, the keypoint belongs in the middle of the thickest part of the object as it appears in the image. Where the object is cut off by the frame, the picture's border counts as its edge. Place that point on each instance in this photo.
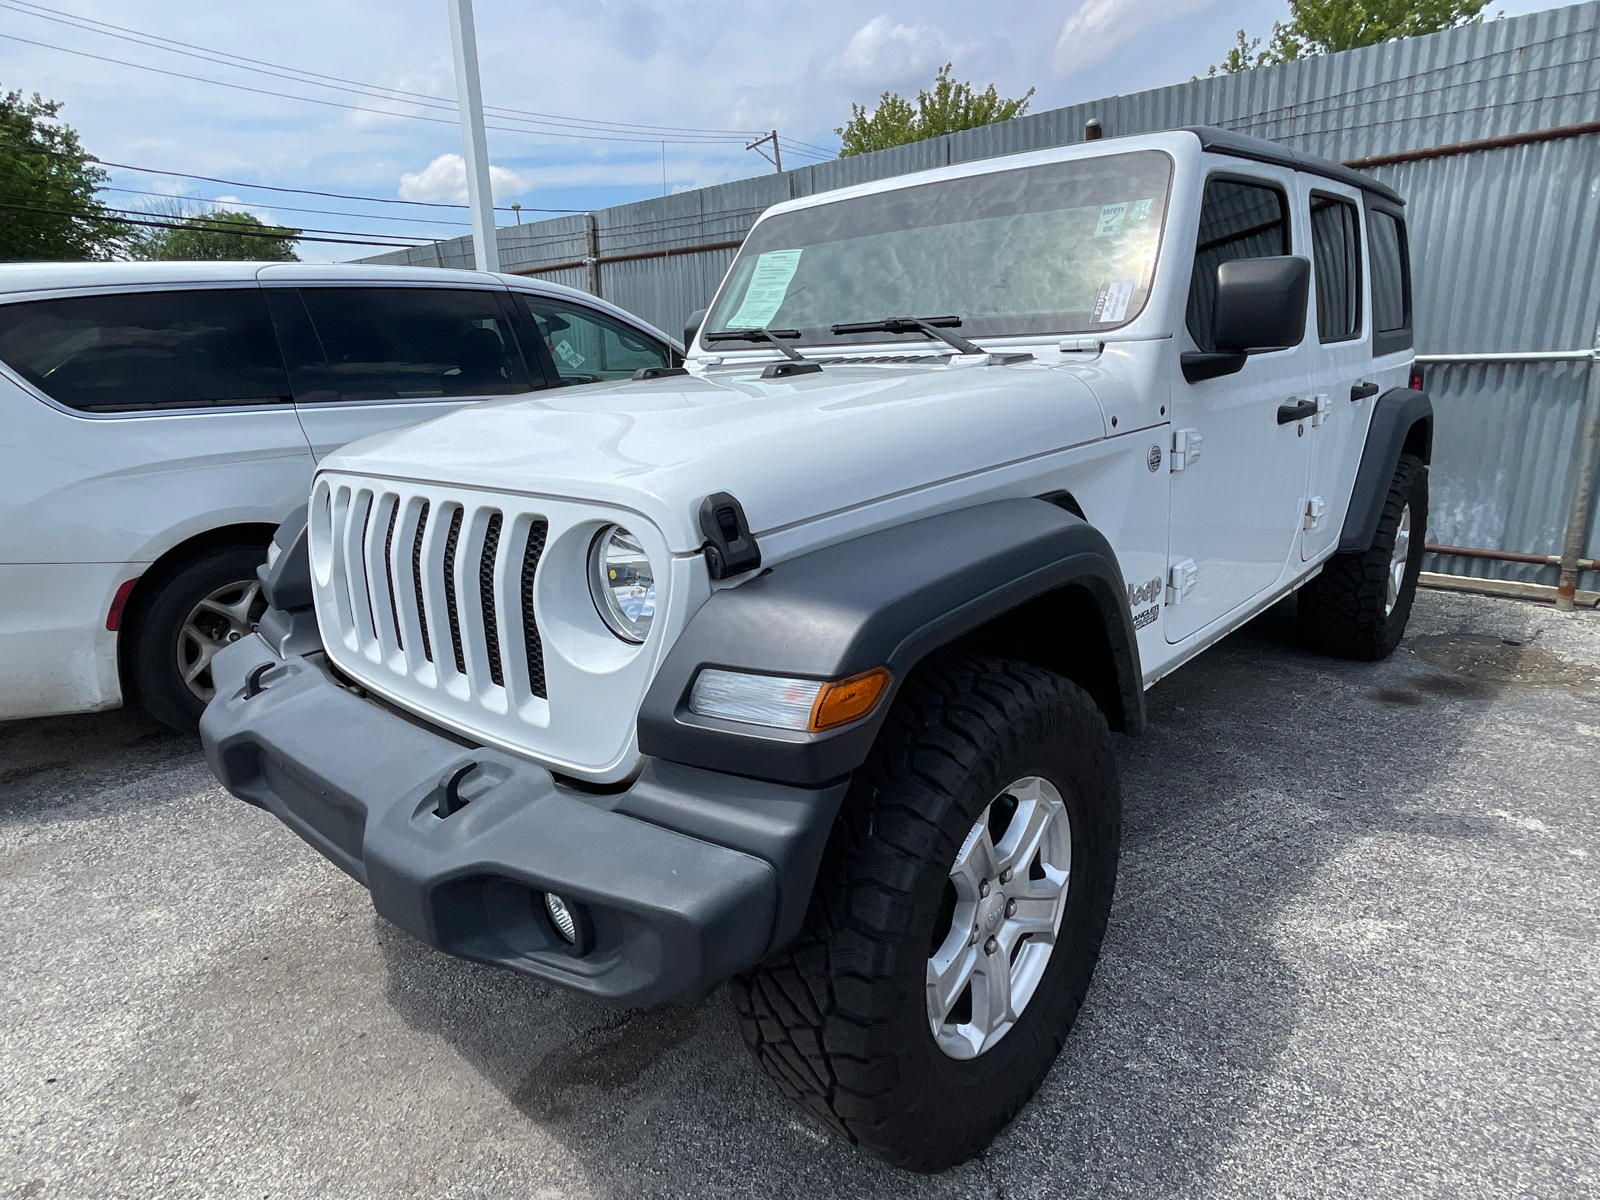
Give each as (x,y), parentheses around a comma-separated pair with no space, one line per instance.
(622,583)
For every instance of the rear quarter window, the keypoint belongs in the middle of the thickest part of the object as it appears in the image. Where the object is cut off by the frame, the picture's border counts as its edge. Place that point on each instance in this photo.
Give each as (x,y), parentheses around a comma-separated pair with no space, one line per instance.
(147,351)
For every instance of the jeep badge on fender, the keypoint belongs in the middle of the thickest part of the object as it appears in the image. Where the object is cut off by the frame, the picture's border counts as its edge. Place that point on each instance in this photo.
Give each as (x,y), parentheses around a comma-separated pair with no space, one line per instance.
(635,689)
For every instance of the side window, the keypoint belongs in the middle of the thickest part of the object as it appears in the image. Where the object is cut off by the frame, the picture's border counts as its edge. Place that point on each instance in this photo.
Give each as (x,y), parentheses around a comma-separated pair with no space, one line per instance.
(1237,220)
(586,346)
(1336,255)
(416,343)
(1391,282)
(147,351)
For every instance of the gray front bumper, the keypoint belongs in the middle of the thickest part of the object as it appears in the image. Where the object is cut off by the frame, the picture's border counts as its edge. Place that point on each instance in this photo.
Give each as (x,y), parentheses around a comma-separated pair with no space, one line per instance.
(681,880)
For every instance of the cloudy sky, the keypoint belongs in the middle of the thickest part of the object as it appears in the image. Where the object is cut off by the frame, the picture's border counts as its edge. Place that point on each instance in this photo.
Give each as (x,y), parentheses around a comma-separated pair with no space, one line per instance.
(582,92)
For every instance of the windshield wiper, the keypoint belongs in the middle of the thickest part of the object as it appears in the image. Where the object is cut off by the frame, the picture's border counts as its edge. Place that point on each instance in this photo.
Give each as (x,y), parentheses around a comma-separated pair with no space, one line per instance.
(928,326)
(798,363)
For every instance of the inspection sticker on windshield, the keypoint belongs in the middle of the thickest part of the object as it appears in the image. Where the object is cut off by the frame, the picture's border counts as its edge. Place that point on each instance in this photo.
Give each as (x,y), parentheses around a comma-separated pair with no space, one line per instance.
(568,355)
(1141,210)
(1110,222)
(769,283)
(1112,302)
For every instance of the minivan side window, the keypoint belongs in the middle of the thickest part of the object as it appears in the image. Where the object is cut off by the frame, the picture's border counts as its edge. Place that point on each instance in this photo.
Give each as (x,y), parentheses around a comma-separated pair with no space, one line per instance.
(1391,281)
(1238,219)
(417,343)
(586,346)
(147,351)
(1336,253)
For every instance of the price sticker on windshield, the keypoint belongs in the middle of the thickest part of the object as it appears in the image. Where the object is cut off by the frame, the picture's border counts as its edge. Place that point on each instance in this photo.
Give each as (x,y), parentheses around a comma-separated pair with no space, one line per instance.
(1110,223)
(769,284)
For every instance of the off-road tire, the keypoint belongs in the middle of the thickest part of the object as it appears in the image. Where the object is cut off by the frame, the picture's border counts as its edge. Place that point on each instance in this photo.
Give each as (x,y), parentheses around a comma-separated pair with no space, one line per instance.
(839,1018)
(1341,611)
(154,629)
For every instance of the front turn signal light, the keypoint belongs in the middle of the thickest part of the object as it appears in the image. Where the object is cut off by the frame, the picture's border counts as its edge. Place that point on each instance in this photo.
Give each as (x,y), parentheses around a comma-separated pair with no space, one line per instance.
(846,700)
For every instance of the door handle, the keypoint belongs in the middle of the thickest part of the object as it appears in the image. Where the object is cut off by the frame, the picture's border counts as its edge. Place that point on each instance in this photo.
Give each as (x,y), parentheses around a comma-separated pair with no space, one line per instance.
(1299,410)
(1361,391)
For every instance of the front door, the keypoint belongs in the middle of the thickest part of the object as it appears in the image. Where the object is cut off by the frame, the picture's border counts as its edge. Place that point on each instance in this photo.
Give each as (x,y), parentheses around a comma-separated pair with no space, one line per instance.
(1239,470)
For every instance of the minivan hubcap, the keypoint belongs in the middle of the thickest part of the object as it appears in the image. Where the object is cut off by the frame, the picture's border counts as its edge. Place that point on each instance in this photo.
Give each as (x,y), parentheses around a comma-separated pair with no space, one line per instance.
(1397,560)
(219,619)
(1005,899)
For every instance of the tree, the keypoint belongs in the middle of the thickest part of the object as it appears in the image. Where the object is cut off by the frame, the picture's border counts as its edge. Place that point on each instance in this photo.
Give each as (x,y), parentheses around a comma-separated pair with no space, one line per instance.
(48,208)
(949,107)
(215,235)
(1328,26)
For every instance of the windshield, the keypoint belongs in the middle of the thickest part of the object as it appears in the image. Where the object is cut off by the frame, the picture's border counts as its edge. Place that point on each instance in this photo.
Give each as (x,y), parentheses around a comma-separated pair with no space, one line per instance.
(1061,248)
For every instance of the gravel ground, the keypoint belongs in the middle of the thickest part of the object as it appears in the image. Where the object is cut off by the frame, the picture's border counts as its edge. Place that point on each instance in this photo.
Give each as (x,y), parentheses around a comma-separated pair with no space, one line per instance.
(1353,953)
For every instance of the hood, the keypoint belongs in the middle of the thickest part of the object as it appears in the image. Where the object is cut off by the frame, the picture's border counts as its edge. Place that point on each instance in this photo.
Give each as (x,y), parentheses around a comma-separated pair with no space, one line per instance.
(790,450)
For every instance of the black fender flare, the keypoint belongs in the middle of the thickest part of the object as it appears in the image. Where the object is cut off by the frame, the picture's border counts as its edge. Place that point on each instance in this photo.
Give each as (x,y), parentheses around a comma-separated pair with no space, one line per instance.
(882,599)
(1396,414)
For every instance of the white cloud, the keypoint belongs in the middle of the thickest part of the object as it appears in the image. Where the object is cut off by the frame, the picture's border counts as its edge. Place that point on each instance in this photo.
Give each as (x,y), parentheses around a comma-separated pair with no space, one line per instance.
(234,204)
(884,51)
(444,180)
(1093,32)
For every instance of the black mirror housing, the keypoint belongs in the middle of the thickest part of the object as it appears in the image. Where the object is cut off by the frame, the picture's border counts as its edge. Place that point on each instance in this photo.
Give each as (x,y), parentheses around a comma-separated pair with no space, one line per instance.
(1261,304)
(692,327)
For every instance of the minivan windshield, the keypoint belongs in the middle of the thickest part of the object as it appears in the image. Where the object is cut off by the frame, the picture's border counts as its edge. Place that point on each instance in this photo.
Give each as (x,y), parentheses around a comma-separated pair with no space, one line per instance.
(1065,247)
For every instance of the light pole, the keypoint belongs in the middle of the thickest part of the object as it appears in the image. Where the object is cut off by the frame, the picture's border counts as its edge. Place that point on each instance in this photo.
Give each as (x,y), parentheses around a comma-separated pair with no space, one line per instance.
(474,145)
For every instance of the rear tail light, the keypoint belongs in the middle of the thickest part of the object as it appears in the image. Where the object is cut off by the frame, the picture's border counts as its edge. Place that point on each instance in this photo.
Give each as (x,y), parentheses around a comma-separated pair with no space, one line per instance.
(1416,378)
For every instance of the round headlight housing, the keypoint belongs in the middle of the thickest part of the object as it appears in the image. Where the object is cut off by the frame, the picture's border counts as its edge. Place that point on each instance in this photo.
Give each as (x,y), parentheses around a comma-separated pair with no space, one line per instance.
(622,583)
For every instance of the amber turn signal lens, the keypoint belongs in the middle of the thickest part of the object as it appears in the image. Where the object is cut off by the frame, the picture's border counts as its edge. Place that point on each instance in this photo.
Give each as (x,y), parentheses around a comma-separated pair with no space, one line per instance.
(846,700)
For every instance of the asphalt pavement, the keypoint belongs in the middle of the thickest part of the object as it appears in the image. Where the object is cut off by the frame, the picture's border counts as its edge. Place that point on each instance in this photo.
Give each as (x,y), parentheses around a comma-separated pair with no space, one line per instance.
(1355,952)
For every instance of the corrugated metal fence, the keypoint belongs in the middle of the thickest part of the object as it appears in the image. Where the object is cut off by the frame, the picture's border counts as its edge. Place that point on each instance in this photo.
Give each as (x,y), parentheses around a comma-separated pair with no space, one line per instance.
(1505,241)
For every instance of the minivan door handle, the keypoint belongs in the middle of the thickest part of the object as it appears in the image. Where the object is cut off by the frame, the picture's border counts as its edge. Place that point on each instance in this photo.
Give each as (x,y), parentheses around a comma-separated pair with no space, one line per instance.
(1298,410)
(1361,391)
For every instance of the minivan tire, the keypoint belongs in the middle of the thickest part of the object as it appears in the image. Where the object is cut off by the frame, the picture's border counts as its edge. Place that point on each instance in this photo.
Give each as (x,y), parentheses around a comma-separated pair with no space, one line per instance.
(159,624)
(840,1019)
(1349,609)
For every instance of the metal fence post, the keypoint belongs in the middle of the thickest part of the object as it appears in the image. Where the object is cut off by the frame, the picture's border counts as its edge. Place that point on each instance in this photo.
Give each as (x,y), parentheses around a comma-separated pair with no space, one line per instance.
(1582,486)
(591,251)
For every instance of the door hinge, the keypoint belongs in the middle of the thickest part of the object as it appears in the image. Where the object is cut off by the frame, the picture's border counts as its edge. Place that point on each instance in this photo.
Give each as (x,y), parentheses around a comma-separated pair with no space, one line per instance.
(1321,415)
(1186,444)
(1181,580)
(1313,513)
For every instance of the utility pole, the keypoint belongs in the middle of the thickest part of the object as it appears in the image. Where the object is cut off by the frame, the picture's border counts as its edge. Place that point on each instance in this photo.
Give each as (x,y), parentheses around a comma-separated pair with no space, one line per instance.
(474,144)
(776,157)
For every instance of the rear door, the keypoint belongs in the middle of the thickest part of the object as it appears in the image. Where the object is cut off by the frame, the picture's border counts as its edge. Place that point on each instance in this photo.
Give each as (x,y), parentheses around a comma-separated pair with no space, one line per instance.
(1236,504)
(367,359)
(1344,385)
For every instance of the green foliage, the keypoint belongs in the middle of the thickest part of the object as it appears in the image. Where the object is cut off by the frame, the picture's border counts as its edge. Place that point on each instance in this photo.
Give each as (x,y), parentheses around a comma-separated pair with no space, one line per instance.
(1328,26)
(215,236)
(47,187)
(949,107)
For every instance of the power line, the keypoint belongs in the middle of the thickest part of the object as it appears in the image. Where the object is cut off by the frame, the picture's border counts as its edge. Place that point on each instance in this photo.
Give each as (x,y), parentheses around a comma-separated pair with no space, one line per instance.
(280,237)
(325,212)
(301,75)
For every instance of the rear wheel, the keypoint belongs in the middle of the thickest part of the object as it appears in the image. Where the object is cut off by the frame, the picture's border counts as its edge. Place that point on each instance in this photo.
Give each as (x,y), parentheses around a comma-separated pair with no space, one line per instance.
(956,919)
(1358,607)
(207,603)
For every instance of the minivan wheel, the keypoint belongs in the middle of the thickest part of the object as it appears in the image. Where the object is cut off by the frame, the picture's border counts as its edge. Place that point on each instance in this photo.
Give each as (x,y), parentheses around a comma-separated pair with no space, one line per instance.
(1359,605)
(956,918)
(207,603)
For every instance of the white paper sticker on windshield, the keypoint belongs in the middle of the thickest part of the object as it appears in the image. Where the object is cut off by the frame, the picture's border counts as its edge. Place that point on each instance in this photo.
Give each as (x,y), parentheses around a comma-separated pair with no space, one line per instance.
(1141,210)
(769,283)
(568,355)
(1110,222)
(1112,303)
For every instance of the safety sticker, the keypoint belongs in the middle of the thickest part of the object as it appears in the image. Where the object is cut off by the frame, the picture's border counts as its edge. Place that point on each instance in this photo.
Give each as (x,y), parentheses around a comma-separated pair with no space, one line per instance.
(1111,304)
(769,283)
(1110,222)
(1141,210)
(568,355)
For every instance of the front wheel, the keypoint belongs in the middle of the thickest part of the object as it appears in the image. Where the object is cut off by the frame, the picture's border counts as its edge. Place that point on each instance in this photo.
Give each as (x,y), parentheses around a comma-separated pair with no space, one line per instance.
(956,919)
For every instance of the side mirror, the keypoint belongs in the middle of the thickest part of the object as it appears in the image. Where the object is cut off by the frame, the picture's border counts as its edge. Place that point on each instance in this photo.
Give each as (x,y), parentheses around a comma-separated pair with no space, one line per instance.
(692,327)
(1260,307)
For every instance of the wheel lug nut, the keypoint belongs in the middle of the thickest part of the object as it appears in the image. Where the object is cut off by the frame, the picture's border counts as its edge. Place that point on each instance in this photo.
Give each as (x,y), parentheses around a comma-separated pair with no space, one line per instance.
(991,946)
(983,887)
(1011,908)
(1005,876)
(973,940)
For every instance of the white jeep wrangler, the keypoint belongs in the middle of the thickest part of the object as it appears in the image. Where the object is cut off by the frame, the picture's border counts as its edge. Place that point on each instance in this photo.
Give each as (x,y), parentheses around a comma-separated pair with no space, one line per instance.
(796,668)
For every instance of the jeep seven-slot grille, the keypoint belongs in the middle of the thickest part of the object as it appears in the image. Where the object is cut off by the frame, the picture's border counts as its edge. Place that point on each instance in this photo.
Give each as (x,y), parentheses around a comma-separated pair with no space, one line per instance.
(488,604)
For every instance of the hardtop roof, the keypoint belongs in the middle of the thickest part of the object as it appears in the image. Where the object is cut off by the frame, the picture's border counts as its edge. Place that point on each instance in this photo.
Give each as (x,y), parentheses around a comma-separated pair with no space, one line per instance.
(1243,145)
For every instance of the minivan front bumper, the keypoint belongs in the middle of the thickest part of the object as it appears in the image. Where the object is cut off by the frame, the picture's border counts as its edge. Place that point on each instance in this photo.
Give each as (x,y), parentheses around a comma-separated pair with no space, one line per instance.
(682,879)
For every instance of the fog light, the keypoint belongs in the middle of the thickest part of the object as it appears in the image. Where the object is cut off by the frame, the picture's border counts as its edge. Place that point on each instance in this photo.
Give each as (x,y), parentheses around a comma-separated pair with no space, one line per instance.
(561,917)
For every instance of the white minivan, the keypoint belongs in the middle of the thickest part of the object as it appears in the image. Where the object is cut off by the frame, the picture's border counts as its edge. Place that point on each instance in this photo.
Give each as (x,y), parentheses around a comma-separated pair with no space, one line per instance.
(158,420)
